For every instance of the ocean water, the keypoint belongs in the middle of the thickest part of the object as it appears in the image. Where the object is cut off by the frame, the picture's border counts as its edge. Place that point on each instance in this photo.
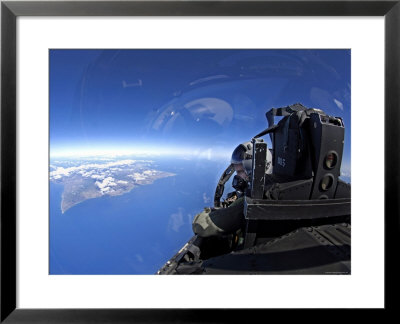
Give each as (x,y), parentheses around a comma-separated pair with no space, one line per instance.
(135,233)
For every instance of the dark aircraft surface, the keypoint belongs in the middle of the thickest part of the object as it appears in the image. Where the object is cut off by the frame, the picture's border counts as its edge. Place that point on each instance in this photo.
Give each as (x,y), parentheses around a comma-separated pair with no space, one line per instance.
(296,210)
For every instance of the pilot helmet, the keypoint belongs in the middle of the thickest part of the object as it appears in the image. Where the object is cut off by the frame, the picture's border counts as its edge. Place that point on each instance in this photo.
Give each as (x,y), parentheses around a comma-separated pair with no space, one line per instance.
(243,155)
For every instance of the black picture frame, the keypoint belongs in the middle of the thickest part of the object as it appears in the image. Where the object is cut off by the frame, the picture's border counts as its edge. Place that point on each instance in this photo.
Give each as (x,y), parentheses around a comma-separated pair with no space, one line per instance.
(10,10)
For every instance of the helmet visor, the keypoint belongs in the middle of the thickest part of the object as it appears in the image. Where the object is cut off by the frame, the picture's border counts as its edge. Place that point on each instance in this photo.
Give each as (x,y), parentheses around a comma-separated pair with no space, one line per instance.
(239,154)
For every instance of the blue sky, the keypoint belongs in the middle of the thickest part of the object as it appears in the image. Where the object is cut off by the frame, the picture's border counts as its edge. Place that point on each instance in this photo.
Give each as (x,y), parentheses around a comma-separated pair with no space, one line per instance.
(186,100)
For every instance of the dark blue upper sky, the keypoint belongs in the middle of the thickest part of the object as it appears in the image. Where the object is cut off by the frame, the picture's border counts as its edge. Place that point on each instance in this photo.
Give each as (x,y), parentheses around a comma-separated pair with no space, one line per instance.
(189,99)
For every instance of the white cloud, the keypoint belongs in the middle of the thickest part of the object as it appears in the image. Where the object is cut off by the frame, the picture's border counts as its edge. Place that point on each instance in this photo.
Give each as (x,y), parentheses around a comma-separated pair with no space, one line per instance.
(122,182)
(105,190)
(68,171)
(97,176)
(137,176)
(87,174)
(60,171)
(105,184)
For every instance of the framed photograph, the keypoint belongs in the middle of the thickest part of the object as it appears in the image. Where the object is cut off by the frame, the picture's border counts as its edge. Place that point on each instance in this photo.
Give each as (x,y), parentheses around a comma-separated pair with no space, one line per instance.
(189,138)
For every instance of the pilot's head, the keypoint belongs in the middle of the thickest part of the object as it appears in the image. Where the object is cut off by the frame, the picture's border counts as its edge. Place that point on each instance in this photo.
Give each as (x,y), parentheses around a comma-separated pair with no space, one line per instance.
(242,161)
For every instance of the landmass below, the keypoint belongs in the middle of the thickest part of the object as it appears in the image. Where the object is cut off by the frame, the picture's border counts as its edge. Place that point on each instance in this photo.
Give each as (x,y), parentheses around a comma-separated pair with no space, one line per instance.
(93,181)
